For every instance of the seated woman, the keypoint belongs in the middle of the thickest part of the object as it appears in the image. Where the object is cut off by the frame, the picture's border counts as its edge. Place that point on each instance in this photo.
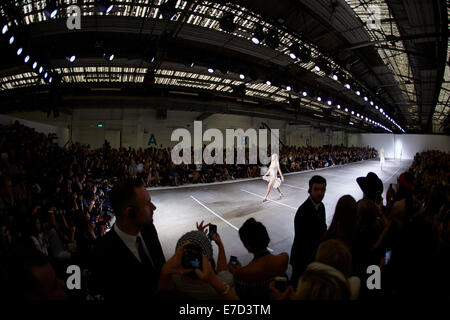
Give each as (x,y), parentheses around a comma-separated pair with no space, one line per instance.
(252,281)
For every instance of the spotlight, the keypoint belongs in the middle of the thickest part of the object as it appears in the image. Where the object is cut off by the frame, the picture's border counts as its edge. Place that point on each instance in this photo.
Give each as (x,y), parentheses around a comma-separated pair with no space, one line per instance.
(192,65)
(5,29)
(105,5)
(27,58)
(376,107)
(50,80)
(34,65)
(258,35)
(210,70)
(108,56)
(381,110)
(335,77)
(45,75)
(293,51)
(347,86)
(168,10)
(357,115)
(51,9)
(11,40)
(288,88)
(268,83)
(319,99)
(371,103)
(323,65)
(242,76)
(41,69)
(353,112)
(272,39)
(226,23)
(329,102)
(366,99)
(338,106)
(19,51)
(317,68)
(358,93)
(71,58)
(305,93)
(346,109)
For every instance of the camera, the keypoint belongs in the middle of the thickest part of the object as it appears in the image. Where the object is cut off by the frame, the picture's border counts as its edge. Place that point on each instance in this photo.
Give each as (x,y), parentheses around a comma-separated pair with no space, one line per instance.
(281,283)
(233,260)
(212,231)
(192,257)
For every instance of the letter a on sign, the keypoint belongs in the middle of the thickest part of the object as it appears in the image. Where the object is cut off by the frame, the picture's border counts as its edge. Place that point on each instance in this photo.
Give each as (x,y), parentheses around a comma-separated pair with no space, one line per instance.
(374,281)
(152,140)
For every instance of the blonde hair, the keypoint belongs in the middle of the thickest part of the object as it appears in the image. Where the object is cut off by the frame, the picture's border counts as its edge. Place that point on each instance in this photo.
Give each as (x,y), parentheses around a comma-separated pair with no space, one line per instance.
(322,282)
(335,254)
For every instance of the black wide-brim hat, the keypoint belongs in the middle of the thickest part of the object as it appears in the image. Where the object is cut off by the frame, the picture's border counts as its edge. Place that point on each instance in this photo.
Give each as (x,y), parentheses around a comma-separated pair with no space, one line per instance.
(370,185)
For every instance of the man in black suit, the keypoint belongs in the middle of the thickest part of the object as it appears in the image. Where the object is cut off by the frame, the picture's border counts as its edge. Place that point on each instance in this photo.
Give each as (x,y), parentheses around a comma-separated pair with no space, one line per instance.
(309,226)
(126,263)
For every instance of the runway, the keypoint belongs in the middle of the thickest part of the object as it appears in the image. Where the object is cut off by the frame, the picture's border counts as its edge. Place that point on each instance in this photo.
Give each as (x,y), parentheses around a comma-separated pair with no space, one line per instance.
(228,205)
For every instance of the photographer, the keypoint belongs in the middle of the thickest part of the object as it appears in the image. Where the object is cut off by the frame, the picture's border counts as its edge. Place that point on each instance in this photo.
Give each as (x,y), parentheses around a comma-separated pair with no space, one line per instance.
(204,281)
(175,266)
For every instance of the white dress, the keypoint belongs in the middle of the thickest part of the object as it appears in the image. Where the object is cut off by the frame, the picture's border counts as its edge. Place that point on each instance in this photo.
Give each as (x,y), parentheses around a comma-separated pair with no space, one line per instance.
(272,176)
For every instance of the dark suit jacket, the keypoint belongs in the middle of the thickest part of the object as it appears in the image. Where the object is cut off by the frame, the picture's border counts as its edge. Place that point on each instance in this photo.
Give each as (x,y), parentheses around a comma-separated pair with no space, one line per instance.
(116,272)
(310,226)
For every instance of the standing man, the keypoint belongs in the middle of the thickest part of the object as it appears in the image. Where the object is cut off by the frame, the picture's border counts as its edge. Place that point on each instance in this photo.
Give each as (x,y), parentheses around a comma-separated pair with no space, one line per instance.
(127,261)
(310,226)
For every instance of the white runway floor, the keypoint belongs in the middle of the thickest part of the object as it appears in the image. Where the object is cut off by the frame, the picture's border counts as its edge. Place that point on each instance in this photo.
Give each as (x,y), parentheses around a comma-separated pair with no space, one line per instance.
(228,205)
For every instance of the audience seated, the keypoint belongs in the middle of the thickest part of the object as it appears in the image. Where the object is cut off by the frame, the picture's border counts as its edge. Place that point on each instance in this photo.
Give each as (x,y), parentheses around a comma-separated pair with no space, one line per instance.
(55,208)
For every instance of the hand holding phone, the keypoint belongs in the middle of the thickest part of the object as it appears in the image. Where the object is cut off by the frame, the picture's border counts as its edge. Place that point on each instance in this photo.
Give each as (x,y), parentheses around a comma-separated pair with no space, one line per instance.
(212,231)
(233,260)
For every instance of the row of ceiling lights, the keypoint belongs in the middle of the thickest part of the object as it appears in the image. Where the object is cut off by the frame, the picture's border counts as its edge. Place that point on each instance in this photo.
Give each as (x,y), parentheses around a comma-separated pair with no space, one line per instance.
(6,32)
(227,24)
(301,53)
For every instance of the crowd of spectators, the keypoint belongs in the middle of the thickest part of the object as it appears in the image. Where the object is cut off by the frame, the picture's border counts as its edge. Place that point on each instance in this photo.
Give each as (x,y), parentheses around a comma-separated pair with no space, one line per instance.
(55,207)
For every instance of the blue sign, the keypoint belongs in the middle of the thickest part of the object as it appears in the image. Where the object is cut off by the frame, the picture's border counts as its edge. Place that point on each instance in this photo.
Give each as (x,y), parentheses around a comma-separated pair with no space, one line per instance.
(152,140)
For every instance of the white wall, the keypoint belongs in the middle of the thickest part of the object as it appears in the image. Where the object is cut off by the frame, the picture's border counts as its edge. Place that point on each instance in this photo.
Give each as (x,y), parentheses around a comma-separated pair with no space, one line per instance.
(404,145)
(137,125)
(62,133)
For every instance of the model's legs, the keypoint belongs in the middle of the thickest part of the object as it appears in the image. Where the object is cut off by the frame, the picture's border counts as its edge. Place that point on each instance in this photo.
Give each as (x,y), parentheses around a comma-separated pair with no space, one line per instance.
(281,194)
(268,191)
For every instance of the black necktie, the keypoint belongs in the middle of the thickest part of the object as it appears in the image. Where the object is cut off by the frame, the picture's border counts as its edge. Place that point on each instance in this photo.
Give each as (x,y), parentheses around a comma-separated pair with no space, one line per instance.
(145,259)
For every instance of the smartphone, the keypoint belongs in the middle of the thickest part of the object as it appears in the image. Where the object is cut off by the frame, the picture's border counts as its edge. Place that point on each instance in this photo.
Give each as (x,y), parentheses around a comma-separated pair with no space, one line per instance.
(281,283)
(212,230)
(233,260)
(192,257)
(388,256)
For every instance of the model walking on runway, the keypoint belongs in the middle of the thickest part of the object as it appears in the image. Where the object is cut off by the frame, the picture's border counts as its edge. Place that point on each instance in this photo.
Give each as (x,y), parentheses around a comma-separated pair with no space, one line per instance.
(381,158)
(271,176)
